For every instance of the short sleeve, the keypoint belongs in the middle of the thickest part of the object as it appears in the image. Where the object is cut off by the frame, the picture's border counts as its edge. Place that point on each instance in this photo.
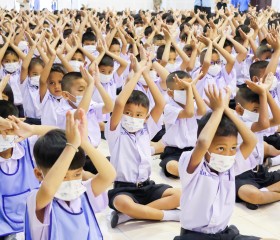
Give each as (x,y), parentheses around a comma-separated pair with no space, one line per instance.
(98,203)
(98,107)
(112,136)
(171,114)
(38,229)
(184,161)
(153,127)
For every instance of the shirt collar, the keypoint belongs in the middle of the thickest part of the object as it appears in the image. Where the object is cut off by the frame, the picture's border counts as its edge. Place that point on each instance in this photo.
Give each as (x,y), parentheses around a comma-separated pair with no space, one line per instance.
(18,153)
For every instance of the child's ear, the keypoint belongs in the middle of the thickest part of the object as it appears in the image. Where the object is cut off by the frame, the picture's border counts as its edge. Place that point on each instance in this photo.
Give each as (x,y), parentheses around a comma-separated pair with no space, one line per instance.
(239,110)
(65,95)
(38,174)
(170,93)
(255,79)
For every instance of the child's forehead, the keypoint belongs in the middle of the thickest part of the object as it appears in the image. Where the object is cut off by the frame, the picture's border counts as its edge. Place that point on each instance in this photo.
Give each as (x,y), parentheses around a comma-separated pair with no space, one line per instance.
(79,83)
(55,76)
(78,54)
(224,140)
(215,56)
(10,56)
(133,107)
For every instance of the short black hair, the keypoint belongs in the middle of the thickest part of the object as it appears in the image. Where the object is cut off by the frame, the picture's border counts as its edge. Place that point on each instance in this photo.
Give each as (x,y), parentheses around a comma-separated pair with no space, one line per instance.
(181,74)
(170,19)
(246,95)
(68,79)
(228,43)
(106,61)
(35,61)
(115,41)
(244,28)
(8,91)
(88,36)
(226,126)
(203,53)
(57,67)
(10,51)
(148,30)
(7,109)
(158,37)
(262,49)
(139,98)
(256,68)
(49,147)
(67,33)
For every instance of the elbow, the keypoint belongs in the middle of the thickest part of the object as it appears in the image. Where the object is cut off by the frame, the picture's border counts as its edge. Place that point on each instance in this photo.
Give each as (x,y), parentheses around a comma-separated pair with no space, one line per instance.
(265,124)
(203,143)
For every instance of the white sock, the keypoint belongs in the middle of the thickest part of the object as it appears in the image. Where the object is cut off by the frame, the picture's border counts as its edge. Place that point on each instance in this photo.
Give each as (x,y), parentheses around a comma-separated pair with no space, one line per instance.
(171,215)
(275,160)
(264,190)
(123,218)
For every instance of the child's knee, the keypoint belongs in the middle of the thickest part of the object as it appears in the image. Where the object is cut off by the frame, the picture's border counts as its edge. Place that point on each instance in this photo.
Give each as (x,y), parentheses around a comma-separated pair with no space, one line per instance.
(254,196)
(122,203)
(172,167)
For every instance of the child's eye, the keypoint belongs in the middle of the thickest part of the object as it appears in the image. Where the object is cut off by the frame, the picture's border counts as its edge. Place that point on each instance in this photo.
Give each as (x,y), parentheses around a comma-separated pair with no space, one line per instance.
(233,148)
(221,149)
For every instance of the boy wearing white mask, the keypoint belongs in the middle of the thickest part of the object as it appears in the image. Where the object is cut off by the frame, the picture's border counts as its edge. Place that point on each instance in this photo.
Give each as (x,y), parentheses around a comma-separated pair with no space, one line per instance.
(77,90)
(213,70)
(10,59)
(63,199)
(258,186)
(31,70)
(180,118)
(207,173)
(17,166)
(129,132)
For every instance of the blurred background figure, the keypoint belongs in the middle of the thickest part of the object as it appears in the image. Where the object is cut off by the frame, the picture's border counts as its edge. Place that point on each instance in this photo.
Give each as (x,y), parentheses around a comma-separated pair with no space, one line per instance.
(157,4)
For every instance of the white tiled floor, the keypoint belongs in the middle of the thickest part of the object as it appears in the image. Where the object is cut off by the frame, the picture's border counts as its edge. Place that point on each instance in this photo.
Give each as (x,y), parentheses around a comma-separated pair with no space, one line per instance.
(264,222)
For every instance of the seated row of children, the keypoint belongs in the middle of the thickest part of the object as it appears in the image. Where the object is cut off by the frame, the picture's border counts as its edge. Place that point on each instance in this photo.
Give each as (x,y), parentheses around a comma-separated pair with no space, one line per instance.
(172,83)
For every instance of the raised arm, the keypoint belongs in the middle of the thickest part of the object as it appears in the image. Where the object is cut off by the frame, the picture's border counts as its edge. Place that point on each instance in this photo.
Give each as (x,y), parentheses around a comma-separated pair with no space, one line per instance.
(123,97)
(157,111)
(205,138)
(108,103)
(27,60)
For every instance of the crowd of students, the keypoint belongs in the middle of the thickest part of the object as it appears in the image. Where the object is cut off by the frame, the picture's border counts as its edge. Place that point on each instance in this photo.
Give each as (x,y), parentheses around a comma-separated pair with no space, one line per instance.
(202,91)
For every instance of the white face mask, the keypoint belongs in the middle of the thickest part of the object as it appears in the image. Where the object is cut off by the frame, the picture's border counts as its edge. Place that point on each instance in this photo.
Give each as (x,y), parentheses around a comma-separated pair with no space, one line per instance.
(90,48)
(180,96)
(70,190)
(250,116)
(35,80)
(131,124)
(214,70)
(76,65)
(139,30)
(221,163)
(105,78)
(23,45)
(8,142)
(274,83)
(170,67)
(78,101)
(11,67)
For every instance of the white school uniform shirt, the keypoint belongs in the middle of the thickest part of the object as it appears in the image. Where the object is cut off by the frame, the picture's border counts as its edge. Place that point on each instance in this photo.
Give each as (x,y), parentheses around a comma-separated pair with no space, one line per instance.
(31,100)
(10,165)
(14,83)
(222,80)
(242,69)
(40,230)
(131,152)
(94,116)
(208,199)
(182,132)
(257,155)
(49,106)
